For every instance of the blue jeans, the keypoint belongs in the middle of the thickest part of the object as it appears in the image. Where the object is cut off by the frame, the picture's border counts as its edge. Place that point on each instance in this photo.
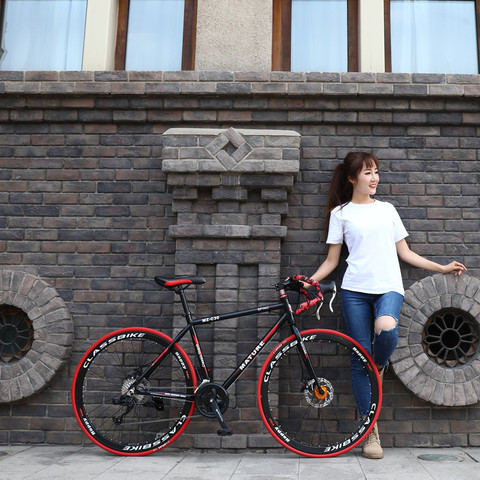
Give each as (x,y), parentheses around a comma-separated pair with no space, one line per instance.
(360,311)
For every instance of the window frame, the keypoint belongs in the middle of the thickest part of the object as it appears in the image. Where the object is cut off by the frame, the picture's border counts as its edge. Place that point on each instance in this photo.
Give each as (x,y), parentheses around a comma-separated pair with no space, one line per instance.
(282,35)
(388,34)
(189,34)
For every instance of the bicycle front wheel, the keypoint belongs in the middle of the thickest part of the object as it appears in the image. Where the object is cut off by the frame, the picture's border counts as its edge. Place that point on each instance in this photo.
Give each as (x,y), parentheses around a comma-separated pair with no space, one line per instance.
(127,420)
(316,418)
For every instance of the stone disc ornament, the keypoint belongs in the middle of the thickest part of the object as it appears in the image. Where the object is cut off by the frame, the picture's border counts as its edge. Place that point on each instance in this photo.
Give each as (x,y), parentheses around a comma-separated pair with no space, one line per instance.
(36,334)
(438,357)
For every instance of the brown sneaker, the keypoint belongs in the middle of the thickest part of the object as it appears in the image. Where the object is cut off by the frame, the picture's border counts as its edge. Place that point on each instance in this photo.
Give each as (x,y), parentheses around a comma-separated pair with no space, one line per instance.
(371,447)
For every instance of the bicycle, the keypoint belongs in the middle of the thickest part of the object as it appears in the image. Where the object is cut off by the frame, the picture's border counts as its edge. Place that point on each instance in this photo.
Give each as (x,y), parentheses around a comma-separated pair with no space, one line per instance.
(136,389)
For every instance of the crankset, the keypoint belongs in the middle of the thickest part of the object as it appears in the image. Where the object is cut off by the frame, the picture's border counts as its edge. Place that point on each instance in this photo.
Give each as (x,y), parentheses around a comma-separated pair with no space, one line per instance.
(212,401)
(205,393)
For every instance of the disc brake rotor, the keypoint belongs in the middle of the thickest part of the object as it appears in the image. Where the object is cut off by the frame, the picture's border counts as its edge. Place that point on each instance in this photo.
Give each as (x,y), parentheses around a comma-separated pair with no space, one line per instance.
(319,396)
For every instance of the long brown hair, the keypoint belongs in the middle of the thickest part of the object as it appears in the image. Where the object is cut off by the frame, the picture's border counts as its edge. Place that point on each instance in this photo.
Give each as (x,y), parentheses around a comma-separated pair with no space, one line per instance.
(341,188)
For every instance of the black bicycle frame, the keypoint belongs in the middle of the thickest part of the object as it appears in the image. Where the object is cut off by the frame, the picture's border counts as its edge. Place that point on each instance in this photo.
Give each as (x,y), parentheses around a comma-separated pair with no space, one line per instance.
(190,327)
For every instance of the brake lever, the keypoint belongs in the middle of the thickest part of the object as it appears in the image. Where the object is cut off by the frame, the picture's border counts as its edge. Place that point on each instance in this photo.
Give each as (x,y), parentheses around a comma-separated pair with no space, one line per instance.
(330,304)
(332,298)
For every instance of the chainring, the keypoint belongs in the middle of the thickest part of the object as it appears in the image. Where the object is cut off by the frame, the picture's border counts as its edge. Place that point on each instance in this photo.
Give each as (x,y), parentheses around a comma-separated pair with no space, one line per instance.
(205,393)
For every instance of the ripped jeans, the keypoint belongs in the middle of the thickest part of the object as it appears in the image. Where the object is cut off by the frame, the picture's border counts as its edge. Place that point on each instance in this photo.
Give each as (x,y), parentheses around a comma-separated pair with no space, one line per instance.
(360,311)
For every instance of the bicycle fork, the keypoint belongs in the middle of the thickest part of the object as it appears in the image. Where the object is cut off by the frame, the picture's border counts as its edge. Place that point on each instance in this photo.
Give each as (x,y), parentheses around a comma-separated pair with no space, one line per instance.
(318,390)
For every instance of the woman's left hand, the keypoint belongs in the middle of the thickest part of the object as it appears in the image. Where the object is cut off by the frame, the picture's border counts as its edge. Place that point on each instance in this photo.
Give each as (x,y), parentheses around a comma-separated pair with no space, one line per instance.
(456,267)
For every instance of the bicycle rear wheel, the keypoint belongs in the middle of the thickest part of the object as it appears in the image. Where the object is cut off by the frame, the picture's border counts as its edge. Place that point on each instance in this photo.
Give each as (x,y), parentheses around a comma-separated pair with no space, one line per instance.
(310,421)
(119,418)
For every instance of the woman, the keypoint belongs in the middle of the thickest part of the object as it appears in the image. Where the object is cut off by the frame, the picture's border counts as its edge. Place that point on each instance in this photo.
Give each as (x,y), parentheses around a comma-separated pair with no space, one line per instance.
(372,288)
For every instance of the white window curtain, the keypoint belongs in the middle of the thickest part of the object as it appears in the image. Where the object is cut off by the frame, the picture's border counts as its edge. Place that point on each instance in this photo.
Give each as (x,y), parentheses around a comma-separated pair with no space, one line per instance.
(319,36)
(43,34)
(155,35)
(433,36)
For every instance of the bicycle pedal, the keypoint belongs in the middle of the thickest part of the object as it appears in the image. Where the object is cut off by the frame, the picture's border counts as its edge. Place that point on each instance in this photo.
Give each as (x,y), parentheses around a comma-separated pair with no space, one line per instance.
(224,432)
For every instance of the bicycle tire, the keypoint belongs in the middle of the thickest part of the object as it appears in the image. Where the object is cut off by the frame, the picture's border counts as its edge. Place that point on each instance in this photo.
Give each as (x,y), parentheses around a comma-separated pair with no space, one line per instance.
(125,422)
(327,424)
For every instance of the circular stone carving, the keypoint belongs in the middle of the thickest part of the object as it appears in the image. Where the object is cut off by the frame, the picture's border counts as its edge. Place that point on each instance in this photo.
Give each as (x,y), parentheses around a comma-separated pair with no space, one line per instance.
(440,383)
(16,334)
(52,335)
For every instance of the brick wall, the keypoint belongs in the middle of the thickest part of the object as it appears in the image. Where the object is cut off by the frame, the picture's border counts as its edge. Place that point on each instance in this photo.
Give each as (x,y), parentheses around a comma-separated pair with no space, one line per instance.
(84,203)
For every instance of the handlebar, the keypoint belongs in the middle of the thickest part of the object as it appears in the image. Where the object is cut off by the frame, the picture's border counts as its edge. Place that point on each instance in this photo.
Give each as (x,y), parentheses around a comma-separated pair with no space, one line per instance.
(313,297)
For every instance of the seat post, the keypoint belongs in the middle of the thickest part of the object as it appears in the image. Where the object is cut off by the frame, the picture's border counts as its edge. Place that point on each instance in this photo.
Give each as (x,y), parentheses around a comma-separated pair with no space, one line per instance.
(183,298)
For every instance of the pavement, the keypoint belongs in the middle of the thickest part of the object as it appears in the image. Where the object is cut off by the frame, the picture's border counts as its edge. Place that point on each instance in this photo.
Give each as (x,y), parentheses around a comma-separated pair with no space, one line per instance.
(42,462)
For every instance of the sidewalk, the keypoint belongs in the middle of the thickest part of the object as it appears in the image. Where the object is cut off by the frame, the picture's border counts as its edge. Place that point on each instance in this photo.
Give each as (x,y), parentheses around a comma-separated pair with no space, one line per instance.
(85,463)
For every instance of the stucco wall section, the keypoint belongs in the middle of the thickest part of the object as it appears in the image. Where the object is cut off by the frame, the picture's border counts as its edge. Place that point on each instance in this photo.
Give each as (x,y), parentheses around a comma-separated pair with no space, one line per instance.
(100,35)
(234,35)
(372,41)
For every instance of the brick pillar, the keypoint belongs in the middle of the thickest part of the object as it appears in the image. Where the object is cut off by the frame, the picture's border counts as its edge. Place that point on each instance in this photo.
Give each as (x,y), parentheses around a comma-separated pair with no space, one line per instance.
(229,194)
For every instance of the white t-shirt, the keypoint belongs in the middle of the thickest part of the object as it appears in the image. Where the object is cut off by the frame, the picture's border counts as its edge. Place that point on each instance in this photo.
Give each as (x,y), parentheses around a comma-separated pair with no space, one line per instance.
(370,232)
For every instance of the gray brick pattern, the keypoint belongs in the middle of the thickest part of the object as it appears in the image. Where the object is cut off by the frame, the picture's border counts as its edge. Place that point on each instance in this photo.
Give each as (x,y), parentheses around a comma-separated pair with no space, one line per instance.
(86,207)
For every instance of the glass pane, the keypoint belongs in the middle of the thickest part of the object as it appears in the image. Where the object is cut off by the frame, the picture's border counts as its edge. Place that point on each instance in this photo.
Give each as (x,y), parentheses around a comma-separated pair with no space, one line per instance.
(433,36)
(43,34)
(155,35)
(319,36)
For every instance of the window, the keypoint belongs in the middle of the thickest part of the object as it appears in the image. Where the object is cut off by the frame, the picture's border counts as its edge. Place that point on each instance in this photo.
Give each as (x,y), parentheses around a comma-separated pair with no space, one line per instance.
(315,35)
(156,35)
(42,34)
(432,36)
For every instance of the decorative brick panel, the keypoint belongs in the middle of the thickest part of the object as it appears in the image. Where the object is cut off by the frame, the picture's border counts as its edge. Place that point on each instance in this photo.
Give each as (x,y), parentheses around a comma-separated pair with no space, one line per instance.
(226,189)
